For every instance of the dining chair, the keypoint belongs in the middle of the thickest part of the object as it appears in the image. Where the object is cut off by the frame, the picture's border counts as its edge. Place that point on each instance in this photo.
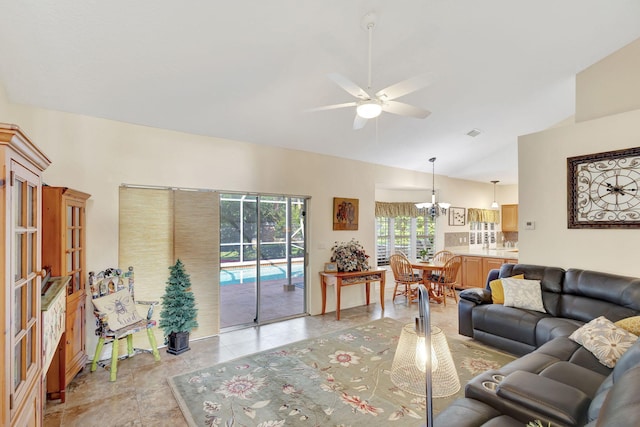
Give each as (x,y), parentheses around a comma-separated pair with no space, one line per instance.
(442,257)
(445,282)
(404,277)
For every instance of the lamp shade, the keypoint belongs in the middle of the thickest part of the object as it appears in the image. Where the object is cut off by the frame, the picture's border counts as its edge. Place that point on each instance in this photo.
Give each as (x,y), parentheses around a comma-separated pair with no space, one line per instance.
(406,373)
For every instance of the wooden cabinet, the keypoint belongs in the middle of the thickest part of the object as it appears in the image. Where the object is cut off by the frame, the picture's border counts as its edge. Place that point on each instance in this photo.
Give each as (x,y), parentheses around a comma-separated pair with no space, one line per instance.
(509,218)
(472,272)
(490,264)
(63,234)
(21,358)
(475,270)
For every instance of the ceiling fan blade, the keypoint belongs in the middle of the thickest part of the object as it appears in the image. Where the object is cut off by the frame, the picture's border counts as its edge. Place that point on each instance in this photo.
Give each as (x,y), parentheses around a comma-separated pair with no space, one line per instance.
(402,109)
(332,107)
(348,85)
(359,122)
(404,87)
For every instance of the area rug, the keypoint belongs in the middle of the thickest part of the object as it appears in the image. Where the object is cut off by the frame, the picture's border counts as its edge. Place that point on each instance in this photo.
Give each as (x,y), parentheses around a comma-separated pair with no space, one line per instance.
(338,379)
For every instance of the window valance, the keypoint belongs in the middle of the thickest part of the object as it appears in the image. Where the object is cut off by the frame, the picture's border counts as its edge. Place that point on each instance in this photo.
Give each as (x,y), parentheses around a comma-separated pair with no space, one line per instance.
(396,209)
(483,215)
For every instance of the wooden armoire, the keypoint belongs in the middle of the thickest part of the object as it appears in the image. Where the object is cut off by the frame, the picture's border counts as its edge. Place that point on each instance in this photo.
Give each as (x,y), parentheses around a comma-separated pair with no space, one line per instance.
(20,264)
(63,250)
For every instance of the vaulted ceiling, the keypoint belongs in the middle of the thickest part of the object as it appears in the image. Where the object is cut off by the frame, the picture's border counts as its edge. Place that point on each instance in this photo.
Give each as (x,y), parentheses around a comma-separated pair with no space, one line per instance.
(249,70)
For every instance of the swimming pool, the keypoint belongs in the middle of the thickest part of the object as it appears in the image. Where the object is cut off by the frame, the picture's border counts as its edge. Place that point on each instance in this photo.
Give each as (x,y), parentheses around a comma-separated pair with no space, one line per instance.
(237,275)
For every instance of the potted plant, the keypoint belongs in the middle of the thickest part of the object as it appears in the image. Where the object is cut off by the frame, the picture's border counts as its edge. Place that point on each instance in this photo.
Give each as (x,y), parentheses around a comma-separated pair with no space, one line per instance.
(350,256)
(178,315)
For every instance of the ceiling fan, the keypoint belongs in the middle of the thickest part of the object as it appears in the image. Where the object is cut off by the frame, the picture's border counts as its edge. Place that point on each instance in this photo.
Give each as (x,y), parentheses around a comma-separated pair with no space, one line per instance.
(370,106)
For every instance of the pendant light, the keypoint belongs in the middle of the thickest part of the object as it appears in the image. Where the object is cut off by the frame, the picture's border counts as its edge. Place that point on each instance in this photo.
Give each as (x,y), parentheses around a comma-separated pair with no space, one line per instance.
(494,205)
(435,208)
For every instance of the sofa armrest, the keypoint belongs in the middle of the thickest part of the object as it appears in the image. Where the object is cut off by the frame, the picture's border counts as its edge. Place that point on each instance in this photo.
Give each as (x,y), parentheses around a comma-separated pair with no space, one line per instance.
(554,400)
(469,298)
(476,295)
(493,275)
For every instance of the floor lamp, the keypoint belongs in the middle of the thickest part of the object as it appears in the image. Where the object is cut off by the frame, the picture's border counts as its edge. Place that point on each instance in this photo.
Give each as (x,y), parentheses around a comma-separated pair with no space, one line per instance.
(423,354)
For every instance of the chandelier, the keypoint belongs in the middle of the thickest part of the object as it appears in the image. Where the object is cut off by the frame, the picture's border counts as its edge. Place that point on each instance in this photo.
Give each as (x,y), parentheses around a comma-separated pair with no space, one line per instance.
(434,208)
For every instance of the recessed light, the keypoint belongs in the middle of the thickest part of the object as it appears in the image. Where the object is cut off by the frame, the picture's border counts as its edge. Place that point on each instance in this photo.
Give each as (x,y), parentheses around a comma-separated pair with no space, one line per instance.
(474,132)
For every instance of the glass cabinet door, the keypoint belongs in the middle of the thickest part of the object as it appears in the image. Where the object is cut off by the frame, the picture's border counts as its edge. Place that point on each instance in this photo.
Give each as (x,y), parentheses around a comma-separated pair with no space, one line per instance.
(25,287)
(74,244)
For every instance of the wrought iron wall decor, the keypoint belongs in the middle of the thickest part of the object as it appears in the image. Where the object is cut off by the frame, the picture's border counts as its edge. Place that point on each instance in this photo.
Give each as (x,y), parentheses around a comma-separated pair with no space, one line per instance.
(602,190)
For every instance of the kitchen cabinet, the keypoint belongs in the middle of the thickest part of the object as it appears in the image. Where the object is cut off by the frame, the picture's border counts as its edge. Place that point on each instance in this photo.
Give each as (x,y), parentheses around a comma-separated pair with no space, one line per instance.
(489,264)
(20,263)
(475,269)
(64,235)
(509,218)
(472,272)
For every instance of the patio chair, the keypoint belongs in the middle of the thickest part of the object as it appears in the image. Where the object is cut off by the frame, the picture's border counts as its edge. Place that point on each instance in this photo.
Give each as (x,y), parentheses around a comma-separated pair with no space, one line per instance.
(117,317)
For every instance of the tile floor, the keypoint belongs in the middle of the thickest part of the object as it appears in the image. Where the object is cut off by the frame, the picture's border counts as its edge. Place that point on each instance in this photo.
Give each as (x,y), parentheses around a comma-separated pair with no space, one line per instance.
(142,397)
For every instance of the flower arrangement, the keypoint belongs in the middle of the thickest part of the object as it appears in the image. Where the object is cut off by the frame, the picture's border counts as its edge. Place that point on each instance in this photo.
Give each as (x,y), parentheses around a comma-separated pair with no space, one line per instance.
(350,256)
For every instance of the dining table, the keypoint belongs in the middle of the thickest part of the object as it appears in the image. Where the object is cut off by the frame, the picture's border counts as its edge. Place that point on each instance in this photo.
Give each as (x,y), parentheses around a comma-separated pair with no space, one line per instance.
(429,268)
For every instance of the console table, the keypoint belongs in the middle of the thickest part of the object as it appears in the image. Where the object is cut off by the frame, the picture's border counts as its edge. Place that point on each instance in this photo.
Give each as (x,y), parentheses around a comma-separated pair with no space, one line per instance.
(349,278)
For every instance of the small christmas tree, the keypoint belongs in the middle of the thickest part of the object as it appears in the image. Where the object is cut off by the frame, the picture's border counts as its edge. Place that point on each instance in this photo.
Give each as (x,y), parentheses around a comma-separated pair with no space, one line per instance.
(178,303)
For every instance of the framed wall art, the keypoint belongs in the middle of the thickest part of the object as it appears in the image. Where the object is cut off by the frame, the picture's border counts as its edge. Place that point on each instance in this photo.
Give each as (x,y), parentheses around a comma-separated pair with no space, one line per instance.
(330,267)
(456,216)
(345,214)
(602,190)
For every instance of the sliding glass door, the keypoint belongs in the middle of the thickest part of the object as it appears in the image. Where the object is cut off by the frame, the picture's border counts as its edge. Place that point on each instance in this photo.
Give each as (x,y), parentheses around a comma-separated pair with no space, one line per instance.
(262,258)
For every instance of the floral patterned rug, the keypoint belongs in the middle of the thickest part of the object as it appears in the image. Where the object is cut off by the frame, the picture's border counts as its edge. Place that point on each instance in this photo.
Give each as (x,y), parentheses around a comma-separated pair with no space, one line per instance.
(338,379)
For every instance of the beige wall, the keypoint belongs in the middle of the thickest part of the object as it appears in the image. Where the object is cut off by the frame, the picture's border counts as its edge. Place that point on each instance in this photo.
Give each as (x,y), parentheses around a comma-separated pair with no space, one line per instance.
(608,103)
(599,95)
(97,156)
(543,198)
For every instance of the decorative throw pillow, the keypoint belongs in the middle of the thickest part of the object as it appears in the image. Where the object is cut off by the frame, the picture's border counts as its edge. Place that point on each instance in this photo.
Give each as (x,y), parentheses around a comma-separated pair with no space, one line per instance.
(523,293)
(497,292)
(119,308)
(631,324)
(604,339)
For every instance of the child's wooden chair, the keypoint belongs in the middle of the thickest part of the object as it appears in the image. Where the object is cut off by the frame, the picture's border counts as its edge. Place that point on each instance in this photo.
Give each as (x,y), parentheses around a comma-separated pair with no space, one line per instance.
(117,317)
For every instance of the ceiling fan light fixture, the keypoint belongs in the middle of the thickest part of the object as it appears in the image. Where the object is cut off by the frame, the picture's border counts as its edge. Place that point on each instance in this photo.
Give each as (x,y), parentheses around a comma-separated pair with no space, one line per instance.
(369,109)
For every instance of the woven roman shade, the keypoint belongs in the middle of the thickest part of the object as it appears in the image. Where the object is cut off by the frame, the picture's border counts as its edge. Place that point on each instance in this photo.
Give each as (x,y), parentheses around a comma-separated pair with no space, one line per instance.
(158,226)
(197,244)
(396,209)
(483,215)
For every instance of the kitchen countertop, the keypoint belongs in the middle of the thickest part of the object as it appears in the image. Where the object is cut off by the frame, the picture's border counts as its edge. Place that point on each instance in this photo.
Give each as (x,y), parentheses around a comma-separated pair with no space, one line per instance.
(506,253)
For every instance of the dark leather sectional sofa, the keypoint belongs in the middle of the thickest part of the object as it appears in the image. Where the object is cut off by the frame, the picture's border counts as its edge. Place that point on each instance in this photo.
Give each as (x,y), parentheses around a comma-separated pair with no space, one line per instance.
(556,380)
